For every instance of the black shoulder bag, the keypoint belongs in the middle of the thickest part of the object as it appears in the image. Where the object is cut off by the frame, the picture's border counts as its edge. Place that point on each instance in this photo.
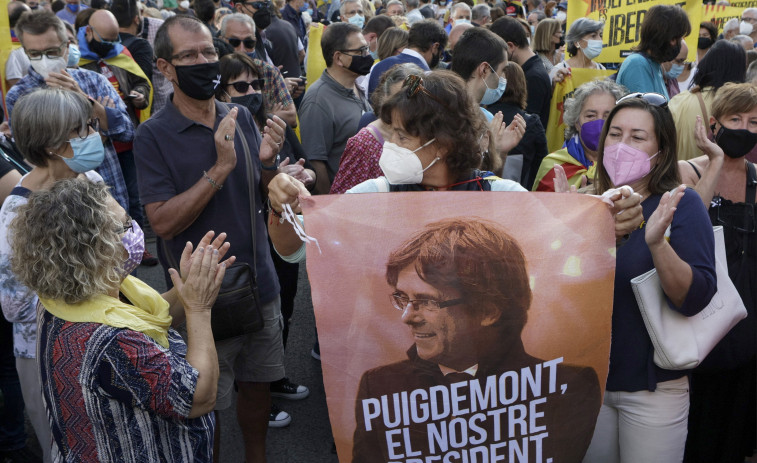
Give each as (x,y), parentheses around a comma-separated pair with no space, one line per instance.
(236,310)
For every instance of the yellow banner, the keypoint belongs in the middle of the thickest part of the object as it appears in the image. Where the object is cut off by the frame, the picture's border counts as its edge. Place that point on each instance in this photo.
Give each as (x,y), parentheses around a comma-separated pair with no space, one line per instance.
(5,45)
(743,4)
(623,20)
(564,90)
(721,14)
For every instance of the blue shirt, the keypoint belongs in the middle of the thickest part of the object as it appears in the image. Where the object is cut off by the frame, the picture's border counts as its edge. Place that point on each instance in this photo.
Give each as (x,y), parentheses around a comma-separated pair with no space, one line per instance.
(120,127)
(66,14)
(632,365)
(384,65)
(639,73)
(171,151)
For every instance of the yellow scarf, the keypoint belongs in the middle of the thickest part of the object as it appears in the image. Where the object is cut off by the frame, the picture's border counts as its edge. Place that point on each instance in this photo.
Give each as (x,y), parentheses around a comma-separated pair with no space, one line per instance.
(127,63)
(149,315)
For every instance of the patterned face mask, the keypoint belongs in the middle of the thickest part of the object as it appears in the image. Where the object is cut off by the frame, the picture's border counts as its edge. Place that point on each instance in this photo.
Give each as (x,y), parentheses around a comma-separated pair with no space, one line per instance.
(134,243)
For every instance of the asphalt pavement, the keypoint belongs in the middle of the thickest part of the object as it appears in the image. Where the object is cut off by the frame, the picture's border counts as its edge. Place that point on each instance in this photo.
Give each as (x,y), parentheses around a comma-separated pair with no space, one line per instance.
(308,438)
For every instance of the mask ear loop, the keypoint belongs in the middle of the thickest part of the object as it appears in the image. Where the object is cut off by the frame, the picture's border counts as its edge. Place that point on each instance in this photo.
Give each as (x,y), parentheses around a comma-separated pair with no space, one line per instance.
(288,215)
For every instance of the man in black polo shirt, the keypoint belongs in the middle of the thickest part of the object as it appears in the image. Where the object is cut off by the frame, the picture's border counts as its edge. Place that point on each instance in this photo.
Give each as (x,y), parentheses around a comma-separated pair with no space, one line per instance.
(537,80)
(192,178)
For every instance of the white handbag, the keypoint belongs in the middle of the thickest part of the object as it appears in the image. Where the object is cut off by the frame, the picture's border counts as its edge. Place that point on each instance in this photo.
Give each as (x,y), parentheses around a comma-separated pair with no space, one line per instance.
(681,342)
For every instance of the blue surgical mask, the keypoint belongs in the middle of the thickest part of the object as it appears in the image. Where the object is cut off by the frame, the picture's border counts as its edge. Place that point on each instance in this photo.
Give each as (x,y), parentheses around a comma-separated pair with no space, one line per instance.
(309,11)
(73,55)
(492,95)
(675,70)
(88,153)
(533,30)
(374,55)
(462,21)
(357,20)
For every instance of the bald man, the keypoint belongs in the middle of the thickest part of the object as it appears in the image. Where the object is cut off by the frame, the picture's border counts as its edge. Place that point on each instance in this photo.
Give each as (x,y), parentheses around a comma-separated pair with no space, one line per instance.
(456,32)
(102,52)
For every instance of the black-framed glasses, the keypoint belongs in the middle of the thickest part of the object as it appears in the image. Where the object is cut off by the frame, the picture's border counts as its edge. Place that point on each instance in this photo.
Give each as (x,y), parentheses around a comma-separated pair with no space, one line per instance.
(363,51)
(655,99)
(249,42)
(400,301)
(94,123)
(127,226)
(210,54)
(414,84)
(750,20)
(242,87)
(50,53)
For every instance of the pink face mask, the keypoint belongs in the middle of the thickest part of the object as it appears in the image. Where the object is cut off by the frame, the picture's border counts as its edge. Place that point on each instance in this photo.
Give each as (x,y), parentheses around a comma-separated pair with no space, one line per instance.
(625,164)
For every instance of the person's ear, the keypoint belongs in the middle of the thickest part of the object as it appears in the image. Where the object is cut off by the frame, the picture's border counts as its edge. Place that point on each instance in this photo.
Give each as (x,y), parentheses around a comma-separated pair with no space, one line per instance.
(482,68)
(166,69)
(490,316)
(435,48)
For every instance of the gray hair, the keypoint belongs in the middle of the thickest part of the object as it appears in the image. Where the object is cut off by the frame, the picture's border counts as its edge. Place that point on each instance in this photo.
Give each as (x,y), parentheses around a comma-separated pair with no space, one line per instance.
(163,45)
(574,105)
(732,23)
(742,39)
(76,220)
(44,119)
(394,2)
(480,11)
(539,15)
(749,10)
(397,73)
(345,2)
(39,22)
(237,17)
(580,28)
(459,6)
(413,3)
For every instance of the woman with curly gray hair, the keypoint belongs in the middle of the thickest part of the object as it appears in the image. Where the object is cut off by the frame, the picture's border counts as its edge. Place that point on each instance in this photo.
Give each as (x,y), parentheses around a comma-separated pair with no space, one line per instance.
(584,117)
(583,43)
(115,377)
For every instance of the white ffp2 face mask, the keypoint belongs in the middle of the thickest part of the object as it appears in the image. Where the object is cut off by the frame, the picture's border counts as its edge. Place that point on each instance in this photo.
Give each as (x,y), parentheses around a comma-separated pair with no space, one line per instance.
(44,66)
(745,28)
(402,166)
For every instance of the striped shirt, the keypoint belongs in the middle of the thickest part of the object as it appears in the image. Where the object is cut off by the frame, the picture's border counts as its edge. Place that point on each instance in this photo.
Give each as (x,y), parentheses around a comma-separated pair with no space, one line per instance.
(115,395)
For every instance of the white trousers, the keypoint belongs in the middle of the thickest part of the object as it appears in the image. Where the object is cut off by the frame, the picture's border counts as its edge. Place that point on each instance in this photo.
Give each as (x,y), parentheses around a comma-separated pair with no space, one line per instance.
(643,426)
(31,389)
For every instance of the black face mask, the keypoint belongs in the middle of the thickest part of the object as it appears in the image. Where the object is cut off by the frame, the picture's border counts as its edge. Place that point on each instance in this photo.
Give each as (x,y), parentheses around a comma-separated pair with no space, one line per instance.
(704,43)
(560,43)
(199,81)
(99,48)
(435,61)
(670,52)
(262,19)
(361,65)
(253,102)
(735,143)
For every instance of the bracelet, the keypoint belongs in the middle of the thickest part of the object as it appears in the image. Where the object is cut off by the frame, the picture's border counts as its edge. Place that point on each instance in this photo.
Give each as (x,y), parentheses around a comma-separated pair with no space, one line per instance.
(211,181)
(275,165)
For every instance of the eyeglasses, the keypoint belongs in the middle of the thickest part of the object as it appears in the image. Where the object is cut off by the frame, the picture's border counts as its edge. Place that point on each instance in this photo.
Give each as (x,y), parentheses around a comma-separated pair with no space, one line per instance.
(127,226)
(400,302)
(655,99)
(750,20)
(50,53)
(242,87)
(108,42)
(258,5)
(94,123)
(249,42)
(414,84)
(363,51)
(210,54)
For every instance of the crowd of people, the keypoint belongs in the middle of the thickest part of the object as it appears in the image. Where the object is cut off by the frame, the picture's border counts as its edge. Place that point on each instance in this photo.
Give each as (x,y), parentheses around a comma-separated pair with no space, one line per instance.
(178,119)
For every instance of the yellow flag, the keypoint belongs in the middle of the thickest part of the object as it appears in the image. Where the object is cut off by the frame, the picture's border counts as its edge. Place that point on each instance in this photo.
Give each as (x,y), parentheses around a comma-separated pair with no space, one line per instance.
(563,90)
(5,45)
(623,20)
(720,14)
(316,64)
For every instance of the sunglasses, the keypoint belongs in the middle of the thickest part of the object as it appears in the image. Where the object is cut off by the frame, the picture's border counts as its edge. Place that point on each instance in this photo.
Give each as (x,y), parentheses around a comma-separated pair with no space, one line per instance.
(414,84)
(655,99)
(258,5)
(242,87)
(249,42)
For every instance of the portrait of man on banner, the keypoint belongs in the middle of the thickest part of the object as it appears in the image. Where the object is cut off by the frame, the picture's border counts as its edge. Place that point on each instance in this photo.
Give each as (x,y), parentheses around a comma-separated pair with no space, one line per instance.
(462,289)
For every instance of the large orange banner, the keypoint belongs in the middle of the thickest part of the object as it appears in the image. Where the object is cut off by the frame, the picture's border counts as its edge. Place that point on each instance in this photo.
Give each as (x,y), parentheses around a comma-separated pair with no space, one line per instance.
(462,327)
